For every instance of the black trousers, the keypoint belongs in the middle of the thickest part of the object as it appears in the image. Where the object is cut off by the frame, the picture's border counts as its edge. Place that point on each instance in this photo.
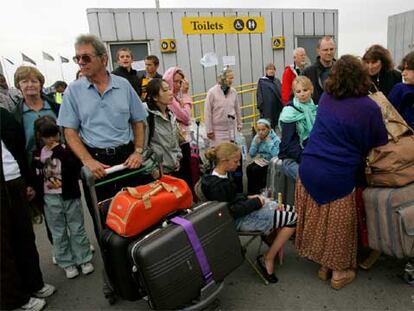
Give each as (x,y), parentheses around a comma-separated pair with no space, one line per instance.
(256,178)
(20,273)
(185,165)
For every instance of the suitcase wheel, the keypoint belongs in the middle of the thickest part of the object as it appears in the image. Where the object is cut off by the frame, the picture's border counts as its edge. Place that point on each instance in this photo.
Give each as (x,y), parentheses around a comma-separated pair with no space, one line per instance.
(109,293)
(111,297)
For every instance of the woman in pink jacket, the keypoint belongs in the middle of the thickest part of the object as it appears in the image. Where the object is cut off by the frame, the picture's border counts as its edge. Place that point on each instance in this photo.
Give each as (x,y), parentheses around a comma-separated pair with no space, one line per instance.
(181,108)
(222,116)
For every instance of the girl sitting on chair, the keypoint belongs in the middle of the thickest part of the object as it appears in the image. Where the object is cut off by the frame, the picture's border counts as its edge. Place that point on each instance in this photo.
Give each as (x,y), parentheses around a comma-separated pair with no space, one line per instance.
(251,213)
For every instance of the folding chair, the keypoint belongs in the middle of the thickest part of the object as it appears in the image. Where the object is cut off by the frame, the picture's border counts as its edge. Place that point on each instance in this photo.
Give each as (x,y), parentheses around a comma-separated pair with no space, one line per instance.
(250,236)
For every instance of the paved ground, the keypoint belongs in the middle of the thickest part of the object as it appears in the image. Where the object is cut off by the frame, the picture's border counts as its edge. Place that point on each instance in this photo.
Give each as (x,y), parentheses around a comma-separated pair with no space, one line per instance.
(298,287)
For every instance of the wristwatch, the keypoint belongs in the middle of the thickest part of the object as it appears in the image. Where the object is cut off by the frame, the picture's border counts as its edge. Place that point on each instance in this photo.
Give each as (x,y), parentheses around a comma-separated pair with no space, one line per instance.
(139,150)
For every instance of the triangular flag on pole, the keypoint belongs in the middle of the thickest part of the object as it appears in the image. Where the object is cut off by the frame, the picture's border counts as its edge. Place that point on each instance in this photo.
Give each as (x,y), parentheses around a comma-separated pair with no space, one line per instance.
(11,63)
(28,59)
(47,56)
(64,60)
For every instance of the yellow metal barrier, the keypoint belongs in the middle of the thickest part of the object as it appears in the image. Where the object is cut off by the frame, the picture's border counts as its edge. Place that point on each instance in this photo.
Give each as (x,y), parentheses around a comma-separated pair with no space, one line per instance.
(249,88)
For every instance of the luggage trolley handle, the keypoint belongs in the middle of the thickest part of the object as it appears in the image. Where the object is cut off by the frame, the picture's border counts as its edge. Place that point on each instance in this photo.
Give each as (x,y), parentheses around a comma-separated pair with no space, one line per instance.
(89,178)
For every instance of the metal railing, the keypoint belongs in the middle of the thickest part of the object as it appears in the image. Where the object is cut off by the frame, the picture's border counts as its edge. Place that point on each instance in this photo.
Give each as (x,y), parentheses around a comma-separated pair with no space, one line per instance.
(197,110)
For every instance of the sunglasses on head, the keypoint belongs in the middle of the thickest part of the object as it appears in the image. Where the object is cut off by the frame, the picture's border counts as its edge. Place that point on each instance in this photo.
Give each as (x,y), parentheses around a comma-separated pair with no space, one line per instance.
(86,58)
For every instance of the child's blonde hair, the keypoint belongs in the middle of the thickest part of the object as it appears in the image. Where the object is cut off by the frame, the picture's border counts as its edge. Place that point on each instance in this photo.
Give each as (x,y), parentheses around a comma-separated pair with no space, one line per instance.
(222,152)
(304,81)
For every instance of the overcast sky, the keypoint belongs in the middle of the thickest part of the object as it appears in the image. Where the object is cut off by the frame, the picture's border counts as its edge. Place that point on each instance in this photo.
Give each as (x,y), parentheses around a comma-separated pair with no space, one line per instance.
(52,25)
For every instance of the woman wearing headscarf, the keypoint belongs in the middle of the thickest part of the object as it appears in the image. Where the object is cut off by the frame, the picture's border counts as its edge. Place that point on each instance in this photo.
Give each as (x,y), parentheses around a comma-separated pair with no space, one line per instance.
(264,146)
(181,108)
(222,116)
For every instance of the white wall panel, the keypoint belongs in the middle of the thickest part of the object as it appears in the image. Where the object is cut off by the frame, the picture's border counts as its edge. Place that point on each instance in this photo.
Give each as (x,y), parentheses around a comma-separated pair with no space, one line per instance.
(122,26)
(252,51)
(107,26)
(138,30)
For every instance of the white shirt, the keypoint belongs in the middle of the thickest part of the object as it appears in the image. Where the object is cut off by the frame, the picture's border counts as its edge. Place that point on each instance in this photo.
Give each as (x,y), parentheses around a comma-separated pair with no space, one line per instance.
(219,175)
(10,167)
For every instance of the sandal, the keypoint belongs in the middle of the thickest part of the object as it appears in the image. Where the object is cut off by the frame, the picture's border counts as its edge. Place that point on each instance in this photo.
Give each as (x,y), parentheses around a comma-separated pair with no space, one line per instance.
(324,273)
(370,260)
(338,284)
(271,278)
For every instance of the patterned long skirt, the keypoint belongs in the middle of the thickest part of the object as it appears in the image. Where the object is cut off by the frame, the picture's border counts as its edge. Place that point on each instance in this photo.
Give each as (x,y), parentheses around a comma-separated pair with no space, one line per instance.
(326,234)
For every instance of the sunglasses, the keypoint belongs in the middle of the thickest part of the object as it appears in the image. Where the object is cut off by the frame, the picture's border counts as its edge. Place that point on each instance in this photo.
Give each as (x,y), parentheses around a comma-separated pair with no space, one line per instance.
(86,58)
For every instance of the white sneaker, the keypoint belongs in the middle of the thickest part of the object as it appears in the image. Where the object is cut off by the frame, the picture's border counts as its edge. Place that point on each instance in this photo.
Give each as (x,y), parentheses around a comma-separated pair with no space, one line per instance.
(71,272)
(92,248)
(46,291)
(87,268)
(34,304)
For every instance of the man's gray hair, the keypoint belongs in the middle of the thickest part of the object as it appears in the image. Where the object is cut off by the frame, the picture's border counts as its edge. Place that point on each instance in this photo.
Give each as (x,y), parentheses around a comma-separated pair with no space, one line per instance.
(325,38)
(297,50)
(93,40)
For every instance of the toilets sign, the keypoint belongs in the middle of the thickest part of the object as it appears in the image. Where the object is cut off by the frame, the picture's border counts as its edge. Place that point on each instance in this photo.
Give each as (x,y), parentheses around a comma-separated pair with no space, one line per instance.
(202,25)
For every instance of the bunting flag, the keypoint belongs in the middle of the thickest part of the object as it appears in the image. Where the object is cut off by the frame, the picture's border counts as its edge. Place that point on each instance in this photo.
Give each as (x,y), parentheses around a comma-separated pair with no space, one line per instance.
(9,60)
(64,60)
(47,56)
(28,59)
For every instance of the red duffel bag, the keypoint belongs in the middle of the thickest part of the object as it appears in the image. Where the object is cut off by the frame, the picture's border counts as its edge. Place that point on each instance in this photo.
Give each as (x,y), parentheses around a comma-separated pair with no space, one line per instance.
(135,209)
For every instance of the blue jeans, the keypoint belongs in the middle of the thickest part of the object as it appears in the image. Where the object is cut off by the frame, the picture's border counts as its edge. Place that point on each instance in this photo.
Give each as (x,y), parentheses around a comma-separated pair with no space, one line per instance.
(290,168)
(259,220)
(65,219)
(267,218)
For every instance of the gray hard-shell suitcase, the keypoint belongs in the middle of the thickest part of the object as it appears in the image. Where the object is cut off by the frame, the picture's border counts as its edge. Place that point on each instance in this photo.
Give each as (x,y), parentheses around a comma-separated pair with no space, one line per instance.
(168,268)
(278,182)
(390,220)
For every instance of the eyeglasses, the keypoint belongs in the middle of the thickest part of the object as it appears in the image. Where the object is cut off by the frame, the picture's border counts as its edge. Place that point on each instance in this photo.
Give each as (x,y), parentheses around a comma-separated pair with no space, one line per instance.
(86,58)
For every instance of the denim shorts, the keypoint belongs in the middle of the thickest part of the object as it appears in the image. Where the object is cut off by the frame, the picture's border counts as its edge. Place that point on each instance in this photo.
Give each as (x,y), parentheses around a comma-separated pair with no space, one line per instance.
(260,220)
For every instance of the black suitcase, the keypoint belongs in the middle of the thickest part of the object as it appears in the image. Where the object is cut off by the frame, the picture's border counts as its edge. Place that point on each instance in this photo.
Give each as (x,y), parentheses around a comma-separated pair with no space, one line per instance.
(118,266)
(168,268)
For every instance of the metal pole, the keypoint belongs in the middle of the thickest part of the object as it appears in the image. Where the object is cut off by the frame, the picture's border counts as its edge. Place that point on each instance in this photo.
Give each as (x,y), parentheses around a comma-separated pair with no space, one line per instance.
(6,72)
(157,4)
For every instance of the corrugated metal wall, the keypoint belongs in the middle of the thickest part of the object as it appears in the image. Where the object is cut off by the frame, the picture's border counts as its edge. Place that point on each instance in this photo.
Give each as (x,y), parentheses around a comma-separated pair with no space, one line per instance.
(400,36)
(252,51)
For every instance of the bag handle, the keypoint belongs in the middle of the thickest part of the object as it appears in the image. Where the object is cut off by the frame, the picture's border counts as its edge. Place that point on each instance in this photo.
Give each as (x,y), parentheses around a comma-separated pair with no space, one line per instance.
(155,188)
(396,138)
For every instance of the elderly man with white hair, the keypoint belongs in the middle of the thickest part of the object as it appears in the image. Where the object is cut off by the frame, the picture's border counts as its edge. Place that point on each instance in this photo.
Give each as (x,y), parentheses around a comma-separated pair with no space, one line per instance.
(291,72)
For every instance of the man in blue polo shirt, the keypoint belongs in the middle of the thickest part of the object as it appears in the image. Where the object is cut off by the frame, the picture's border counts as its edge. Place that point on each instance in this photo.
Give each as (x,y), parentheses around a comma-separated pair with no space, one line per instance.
(103,119)
(102,116)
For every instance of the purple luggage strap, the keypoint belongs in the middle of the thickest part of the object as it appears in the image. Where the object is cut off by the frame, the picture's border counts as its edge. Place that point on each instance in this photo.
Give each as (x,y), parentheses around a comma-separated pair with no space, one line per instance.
(197,247)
